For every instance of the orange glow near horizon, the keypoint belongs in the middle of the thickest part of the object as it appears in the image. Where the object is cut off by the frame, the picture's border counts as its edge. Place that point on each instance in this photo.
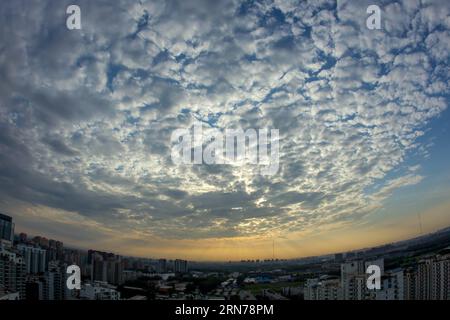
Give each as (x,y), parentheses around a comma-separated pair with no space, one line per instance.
(331,239)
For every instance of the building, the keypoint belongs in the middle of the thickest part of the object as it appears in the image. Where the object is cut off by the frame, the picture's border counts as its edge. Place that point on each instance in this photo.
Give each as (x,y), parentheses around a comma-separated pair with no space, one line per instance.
(72,256)
(12,271)
(23,238)
(101,266)
(378,262)
(423,279)
(35,288)
(98,267)
(6,228)
(162,265)
(35,258)
(42,242)
(106,267)
(114,271)
(428,280)
(57,279)
(351,280)
(354,279)
(338,257)
(440,273)
(353,283)
(99,291)
(323,288)
(329,289)
(392,286)
(432,278)
(48,286)
(310,290)
(409,284)
(180,266)
(130,275)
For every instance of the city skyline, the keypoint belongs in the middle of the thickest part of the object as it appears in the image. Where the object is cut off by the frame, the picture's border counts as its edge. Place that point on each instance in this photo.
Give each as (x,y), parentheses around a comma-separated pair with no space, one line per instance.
(86,118)
(38,268)
(32,237)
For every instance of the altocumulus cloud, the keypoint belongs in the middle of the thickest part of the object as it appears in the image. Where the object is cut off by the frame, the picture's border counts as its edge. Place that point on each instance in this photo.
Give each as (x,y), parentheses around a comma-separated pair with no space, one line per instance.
(86,116)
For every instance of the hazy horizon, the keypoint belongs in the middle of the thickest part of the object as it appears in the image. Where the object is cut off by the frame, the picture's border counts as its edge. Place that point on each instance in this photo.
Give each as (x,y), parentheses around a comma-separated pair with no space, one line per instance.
(68,245)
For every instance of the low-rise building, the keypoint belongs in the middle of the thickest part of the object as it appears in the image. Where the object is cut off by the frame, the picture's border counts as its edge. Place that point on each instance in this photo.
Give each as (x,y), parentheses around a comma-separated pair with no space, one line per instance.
(99,291)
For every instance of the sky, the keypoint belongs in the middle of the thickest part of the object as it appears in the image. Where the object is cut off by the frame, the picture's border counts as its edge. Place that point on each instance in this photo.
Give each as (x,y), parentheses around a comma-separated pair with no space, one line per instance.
(86,118)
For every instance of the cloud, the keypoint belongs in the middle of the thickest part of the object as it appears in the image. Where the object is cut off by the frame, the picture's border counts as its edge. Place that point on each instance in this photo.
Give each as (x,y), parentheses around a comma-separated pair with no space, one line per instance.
(86,116)
(392,185)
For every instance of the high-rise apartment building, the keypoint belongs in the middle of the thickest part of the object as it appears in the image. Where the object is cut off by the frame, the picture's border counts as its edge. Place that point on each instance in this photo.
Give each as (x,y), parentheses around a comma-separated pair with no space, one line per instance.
(6,228)
(114,270)
(180,266)
(35,258)
(409,284)
(12,271)
(354,279)
(323,288)
(57,278)
(99,268)
(392,286)
(350,280)
(162,265)
(433,278)
(105,267)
